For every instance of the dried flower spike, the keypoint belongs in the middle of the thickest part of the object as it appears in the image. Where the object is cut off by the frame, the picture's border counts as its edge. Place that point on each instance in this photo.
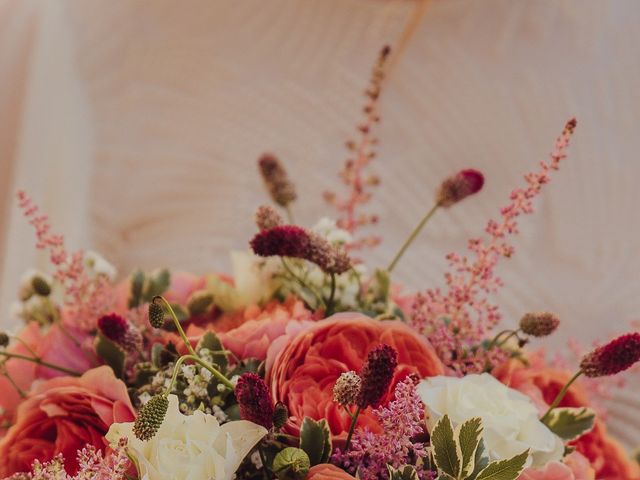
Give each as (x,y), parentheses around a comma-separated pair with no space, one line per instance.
(277,181)
(459,186)
(539,324)
(614,357)
(267,217)
(254,400)
(377,373)
(156,315)
(347,388)
(150,417)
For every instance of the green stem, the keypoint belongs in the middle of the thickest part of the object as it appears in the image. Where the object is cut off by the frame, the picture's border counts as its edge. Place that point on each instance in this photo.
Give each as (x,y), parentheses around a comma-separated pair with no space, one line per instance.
(330,302)
(199,361)
(176,323)
(302,283)
(352,427)
(412,237)
(41,362)
(21,392)
(263,459)
(24,344)
(497,338)
(560,395)
(289,214)
(502,342)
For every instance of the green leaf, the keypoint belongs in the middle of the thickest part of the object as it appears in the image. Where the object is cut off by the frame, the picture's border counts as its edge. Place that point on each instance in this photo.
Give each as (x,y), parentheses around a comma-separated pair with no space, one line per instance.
(505,469)
(157,284)
(480,461)
(111,354)
(445,448)
(570,423)
(315,440)
(211,342)
(137,283)
(199,302)
(406,472)
(469,436)
(291,464)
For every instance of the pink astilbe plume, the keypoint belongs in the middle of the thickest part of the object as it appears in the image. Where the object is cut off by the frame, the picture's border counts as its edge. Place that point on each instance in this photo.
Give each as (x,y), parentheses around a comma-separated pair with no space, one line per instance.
(401,422)
(86,298)
(457,320)
(353,174)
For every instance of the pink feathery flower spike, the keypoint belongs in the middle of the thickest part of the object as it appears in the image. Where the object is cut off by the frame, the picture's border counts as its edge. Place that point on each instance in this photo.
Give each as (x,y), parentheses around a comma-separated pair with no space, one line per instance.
(457,320)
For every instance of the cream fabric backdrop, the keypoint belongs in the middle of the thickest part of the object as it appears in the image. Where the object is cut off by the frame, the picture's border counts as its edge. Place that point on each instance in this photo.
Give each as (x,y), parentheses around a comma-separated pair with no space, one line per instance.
(137,125)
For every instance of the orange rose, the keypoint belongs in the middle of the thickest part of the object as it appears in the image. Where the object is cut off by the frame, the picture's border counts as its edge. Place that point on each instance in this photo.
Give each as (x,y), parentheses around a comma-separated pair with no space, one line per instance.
(542,383)
(326,471)
(305,371)
(62,415)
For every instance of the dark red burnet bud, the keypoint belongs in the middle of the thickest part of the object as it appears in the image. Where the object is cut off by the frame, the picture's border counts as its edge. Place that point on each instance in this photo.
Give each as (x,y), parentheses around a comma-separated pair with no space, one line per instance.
(284,241)
(114,327)
(377,373)
(459,186)
(614,357)
(254,400)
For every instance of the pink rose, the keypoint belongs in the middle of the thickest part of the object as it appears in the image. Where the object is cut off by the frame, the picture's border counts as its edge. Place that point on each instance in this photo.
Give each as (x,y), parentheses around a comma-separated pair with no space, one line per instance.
(62,415)
(575,467)
(326,471)
(51,345)
(305,371)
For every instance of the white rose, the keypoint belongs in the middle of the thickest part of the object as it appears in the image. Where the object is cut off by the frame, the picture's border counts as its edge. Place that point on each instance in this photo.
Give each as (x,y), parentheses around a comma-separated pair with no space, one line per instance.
(328,228)
(99,265)
(190,446)
(510,419)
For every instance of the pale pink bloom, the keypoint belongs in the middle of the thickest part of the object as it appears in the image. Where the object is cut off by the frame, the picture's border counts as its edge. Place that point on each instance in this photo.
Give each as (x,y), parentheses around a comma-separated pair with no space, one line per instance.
(183,285)
(575,467)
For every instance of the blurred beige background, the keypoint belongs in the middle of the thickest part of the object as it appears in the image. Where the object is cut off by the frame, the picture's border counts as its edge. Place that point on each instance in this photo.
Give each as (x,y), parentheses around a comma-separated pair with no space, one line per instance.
(137,125)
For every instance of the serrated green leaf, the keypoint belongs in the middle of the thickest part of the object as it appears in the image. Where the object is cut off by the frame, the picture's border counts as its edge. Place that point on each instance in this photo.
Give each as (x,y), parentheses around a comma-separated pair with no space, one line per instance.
(406,472)
(445,449)
(315,439)
(469,435)
(111,354)
(211,342)
(570,423)
(480,461)
(157,284)
(137,283)
(505,469)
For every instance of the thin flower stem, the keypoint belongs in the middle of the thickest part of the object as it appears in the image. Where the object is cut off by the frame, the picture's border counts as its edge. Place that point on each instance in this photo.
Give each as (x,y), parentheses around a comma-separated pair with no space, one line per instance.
(561,395)
(330,302)
(352,427)
(412,237)
(514,333)
(289,215)
(24,344)
(495,340)
(302,283)
(263,459)
(20,391)
(199,361)
(176,323)
(41,362)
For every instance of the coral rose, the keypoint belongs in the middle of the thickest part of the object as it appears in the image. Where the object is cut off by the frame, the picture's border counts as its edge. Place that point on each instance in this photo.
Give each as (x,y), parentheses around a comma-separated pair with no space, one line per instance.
(51,345)
(62,415)
(305,371)
(326,471)
(542,383)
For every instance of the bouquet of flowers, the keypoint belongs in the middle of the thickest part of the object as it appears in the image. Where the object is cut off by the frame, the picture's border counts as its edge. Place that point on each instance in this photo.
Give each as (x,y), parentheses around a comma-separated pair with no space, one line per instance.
(307,363)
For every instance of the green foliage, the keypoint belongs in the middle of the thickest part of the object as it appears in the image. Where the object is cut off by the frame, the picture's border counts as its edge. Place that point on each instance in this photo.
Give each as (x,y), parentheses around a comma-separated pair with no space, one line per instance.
(200,302)
(570,423)
(406,472)
(315,440)
(291,464)
(111,354)
(211,342)
(144,288)
(460,454)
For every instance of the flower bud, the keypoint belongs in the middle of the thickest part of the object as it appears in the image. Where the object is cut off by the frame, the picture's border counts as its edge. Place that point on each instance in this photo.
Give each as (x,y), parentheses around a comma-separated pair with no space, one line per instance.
(267,217)
(614,357)
(4,339)
(150,417)
(254,400)
(291,464)
(40,286)
(277,181)
(156,315)
(347,388)
(280,415)
(459,186)
(539,324)
(376,375)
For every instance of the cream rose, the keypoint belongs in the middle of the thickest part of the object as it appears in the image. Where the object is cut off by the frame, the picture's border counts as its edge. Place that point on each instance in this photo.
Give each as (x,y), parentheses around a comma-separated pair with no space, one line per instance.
(190,446)
(510,419)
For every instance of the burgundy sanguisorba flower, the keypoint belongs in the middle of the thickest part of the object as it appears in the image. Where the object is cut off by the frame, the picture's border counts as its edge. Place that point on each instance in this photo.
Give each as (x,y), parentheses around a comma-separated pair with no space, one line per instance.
(377,373)
(459,186)
(614,357)
(254,400)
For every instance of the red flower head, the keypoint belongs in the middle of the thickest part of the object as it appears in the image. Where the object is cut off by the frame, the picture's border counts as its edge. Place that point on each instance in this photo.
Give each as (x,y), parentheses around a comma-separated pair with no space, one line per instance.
(113,326)
(377,373)
(284,241)
(459,186)
(254,400)
(614,357)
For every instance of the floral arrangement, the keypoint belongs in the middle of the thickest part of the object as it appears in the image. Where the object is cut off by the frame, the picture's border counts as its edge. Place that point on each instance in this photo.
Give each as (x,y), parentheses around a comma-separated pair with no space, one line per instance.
(306,364)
